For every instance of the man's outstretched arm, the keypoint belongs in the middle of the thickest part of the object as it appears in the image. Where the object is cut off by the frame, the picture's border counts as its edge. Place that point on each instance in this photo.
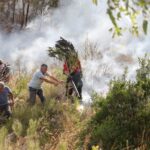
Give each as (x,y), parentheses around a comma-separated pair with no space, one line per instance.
(48,81)
(53,78)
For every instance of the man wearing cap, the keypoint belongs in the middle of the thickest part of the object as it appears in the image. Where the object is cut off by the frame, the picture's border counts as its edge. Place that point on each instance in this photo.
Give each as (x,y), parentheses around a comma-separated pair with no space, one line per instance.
(35,85)
(6,100)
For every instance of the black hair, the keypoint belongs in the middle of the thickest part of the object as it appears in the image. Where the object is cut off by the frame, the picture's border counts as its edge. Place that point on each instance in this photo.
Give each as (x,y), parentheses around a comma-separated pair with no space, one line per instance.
(44,65)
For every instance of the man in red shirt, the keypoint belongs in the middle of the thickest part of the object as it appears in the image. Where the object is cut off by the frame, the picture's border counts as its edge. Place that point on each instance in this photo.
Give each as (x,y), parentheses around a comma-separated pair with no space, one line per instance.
(74,74)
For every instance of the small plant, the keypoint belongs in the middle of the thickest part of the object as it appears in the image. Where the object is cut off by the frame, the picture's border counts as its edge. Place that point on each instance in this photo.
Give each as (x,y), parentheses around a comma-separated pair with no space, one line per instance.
(3,134)
(17,127)
(95,147)
(33,144)
(32,130)
(62,146)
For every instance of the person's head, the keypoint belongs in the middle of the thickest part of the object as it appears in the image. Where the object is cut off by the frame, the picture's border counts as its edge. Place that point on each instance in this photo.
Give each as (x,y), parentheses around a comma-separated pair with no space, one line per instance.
(2,85)
(44,68)
(1,62)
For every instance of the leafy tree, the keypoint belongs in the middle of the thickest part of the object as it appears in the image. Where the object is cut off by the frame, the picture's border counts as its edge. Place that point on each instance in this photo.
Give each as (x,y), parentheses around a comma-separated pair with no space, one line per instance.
(119,9)
(64,51)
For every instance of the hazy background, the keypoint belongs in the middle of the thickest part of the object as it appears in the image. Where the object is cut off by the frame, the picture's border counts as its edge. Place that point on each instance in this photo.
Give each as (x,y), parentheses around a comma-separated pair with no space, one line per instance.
(77,21)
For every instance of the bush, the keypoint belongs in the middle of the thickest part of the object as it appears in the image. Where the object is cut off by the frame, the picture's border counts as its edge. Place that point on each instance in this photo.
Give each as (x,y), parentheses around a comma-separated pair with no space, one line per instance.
(36,124)
(122,118)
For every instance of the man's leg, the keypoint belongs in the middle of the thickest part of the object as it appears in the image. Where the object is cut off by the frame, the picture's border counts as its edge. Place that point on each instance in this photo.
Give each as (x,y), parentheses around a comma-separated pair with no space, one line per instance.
(80,92)
(41,95)
(68,87)
(70,91)
(32,95)
(79,85)
(5,111)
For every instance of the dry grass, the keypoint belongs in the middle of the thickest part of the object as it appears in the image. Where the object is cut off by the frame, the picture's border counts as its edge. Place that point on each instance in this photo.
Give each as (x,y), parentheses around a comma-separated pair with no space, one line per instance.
(58,123)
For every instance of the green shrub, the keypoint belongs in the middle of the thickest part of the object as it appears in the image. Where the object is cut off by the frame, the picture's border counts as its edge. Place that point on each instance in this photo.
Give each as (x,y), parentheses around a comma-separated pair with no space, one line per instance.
(17,127)
(124,114)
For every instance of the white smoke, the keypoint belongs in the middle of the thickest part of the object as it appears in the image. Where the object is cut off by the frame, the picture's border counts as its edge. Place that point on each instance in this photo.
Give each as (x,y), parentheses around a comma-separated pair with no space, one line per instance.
(76,20)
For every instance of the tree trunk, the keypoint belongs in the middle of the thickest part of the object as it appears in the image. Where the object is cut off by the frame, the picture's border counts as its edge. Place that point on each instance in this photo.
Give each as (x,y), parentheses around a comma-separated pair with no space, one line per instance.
(23,14)
(27,13)
(42,7)
(14,9)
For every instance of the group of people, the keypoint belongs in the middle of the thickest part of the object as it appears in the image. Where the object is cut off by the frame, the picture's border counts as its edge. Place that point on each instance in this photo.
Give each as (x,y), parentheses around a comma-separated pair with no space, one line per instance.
(35,85)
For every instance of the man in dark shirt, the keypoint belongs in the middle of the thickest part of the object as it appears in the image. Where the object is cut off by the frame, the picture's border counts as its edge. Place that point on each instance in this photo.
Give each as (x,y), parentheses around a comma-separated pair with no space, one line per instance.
(6,100)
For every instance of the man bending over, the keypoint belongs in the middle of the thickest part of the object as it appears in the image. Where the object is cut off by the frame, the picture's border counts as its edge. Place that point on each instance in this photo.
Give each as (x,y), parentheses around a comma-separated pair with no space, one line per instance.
(35,85)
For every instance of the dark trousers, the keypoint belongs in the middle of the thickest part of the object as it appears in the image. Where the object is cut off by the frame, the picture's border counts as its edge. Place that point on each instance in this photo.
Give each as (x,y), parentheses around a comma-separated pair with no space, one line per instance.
(70,91)
(4,111)
(32,95)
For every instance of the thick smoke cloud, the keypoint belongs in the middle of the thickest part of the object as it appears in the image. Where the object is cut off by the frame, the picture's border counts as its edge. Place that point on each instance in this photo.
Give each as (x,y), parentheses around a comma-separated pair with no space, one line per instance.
(76,21)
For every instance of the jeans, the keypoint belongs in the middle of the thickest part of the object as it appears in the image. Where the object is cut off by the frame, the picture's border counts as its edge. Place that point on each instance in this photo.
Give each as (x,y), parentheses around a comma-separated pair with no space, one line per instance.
(32,95)
(4,111)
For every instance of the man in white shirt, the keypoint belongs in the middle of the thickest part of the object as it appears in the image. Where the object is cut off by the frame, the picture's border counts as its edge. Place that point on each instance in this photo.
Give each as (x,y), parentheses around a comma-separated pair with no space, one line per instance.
(35,85)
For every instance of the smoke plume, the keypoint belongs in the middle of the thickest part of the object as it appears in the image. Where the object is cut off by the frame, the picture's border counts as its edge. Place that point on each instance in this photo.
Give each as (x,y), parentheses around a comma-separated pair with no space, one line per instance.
(77,21)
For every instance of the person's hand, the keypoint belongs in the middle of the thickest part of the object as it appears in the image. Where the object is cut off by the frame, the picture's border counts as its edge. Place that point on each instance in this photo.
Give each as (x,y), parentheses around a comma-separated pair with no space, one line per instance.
(56,84)
(61,82)
(11,103)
